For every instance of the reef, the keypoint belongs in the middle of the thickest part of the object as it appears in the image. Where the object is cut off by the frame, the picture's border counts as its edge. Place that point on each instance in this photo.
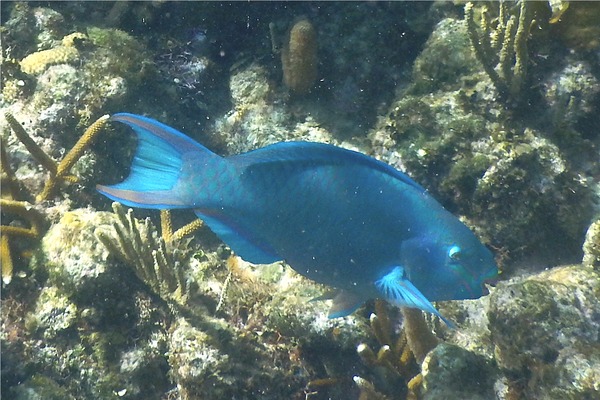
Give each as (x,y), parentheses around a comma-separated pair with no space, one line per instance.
(492,107)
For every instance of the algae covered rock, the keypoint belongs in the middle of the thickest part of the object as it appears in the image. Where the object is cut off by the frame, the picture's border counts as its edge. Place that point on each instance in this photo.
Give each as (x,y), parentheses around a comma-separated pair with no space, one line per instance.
(71,252)
(451,372)
(446,58)
(591,246)
(545,328)
(54,313)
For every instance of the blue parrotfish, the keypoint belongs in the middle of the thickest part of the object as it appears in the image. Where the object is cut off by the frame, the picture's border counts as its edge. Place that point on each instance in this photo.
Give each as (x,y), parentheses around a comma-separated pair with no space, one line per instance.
(336,216)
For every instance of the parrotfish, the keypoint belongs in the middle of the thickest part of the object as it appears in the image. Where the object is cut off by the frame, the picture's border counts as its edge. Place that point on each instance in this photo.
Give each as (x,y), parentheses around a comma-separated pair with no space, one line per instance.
(336,216)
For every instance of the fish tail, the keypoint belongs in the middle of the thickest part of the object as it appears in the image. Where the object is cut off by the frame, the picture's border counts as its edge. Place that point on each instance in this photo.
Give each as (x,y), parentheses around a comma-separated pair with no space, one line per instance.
(157,165)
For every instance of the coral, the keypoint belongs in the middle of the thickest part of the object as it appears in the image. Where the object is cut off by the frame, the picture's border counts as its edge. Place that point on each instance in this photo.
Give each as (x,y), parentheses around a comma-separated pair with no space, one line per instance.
(257,119)
(558,9)
(166,227)
(535,168)
(58,172)
(37,224)
(571,93)
(33,148)
(401,354)
(198,363)
(91,316)
(299,57)
(155,262)
(367,390)
(12,89)
(69,252)
(502,47)
(117,54)
(6,259)
(448,42)
(67,53)
(72,156)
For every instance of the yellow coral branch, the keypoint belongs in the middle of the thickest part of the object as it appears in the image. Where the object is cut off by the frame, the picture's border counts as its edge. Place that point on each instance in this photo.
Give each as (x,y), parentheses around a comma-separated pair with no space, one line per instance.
(187,229)
(166,226)
(32,147)
(8,182)
(6,259)
(418,335)
(72,156)
(36,63)
(77,151)
(26,211)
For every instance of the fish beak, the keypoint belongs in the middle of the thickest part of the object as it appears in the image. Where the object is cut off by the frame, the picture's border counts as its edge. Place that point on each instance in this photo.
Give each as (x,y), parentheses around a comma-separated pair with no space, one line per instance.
(487,284)
(491,281)
(484,290)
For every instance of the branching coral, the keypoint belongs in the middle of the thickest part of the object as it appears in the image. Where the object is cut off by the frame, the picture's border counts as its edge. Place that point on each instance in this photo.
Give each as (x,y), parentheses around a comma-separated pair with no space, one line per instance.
(400,354)
(36,63)
(58,172)
(155,261)
(65,165)
(14,202)
(501,47)
(166,227)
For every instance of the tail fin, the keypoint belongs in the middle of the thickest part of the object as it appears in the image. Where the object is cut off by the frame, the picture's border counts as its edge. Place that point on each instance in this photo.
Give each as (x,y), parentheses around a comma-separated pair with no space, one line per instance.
(156,167)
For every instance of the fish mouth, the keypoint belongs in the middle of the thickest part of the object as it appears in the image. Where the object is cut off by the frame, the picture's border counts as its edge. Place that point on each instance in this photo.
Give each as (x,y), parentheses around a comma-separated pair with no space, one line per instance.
(484,290)
(491,281)
(487,283)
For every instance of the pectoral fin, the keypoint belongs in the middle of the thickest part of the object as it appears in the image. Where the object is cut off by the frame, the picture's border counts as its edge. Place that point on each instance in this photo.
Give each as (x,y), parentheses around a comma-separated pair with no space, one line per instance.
(401,292)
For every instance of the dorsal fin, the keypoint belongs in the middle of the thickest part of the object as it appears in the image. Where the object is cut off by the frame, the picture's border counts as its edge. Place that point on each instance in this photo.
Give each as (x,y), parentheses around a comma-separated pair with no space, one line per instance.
(315,154)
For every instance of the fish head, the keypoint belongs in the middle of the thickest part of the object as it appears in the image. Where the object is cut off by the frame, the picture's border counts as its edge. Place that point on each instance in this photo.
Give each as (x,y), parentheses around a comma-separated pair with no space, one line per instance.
(449,267)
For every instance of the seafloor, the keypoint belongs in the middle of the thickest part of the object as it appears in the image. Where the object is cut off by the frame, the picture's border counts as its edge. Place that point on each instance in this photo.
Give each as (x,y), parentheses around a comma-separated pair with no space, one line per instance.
(493,107)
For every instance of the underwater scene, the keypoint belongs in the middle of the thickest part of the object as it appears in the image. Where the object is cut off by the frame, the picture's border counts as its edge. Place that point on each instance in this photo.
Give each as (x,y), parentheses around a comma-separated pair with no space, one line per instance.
(300,200)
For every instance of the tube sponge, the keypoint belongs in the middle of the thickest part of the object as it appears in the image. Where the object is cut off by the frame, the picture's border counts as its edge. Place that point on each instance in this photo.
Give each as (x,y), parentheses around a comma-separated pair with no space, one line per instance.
(299,57)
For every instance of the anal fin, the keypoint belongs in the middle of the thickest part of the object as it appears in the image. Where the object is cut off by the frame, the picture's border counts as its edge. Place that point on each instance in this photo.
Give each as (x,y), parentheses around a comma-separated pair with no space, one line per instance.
(242,244)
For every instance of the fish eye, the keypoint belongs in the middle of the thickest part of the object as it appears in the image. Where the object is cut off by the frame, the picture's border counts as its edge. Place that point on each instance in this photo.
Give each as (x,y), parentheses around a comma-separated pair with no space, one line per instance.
(454,252)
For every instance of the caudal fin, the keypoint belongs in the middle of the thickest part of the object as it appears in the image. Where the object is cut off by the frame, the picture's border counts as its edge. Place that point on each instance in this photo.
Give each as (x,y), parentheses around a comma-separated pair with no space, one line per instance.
(156,166)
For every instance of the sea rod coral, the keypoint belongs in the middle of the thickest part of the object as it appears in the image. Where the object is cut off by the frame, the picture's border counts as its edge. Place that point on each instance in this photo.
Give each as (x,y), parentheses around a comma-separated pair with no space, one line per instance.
(502,47)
